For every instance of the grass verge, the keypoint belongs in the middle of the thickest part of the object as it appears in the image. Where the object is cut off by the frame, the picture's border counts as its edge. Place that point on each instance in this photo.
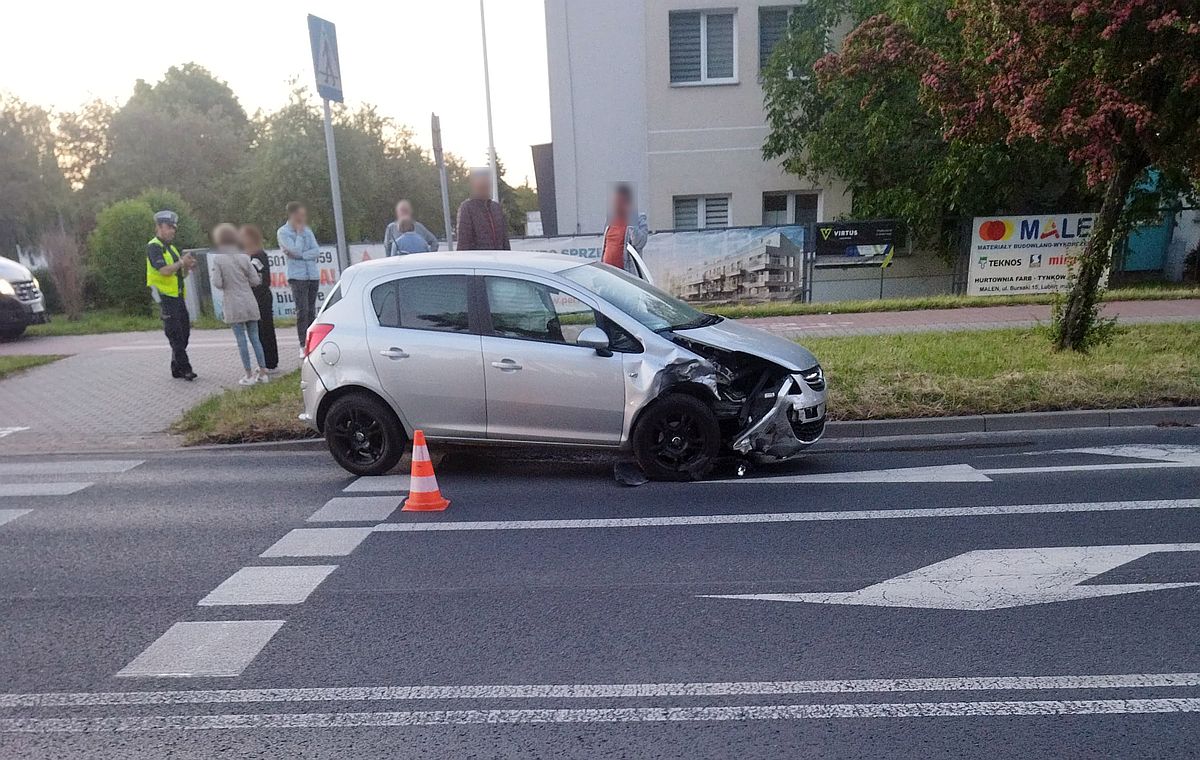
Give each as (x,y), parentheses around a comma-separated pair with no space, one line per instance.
(248,414)
(1002,371)
(108,320)
(791,309)
(10,365)
(875,377)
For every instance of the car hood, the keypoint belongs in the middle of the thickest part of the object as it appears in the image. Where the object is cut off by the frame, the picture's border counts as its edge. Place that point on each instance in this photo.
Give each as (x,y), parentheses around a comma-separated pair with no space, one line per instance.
(731,335)
(11,270)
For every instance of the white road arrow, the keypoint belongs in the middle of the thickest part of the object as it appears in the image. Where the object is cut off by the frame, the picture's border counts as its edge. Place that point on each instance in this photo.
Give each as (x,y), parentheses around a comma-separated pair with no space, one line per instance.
(992,579)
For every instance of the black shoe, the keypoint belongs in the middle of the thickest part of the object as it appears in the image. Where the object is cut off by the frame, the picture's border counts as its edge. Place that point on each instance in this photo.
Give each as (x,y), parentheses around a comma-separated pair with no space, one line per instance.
(189,376)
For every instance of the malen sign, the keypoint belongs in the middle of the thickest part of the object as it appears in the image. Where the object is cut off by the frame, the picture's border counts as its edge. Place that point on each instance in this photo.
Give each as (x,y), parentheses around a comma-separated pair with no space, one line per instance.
(1025,254)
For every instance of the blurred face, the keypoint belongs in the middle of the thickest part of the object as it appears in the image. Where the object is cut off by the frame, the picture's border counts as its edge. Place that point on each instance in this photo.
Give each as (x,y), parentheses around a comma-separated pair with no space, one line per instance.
(481,185)
(165,232)
(300,217)
(403,211)
(621,205)
(247,240)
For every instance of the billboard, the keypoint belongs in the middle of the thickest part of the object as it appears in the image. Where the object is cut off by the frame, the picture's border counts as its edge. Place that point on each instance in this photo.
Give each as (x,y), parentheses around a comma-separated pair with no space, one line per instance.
(736,264)
(1025,254)
(281,293)
(857,239)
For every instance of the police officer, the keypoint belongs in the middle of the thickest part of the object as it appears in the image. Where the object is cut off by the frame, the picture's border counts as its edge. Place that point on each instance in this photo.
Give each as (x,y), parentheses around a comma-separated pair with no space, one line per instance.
(165,270)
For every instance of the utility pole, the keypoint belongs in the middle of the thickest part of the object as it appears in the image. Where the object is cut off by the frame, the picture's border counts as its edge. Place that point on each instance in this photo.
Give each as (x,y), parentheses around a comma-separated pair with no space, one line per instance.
(487,89)
(440,160)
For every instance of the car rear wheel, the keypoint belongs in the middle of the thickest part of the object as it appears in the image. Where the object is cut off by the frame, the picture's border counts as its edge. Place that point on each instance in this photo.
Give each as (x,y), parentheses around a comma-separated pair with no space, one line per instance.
(364,435)
(677,438)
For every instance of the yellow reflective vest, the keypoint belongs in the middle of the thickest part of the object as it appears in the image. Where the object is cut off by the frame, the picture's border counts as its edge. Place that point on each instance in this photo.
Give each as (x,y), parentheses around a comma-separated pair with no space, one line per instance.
(166,284)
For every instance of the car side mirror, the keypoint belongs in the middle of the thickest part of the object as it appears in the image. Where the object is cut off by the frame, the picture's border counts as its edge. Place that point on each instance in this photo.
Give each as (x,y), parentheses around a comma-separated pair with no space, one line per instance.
(594,337)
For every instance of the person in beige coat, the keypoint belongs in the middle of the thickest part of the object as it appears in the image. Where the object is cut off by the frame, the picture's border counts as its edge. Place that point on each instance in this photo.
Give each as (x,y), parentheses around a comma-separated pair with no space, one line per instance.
(235,276)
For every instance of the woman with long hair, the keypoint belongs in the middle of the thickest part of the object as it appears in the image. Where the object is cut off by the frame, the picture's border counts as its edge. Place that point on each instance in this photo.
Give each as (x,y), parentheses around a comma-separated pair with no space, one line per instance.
(235,277)
(252,243)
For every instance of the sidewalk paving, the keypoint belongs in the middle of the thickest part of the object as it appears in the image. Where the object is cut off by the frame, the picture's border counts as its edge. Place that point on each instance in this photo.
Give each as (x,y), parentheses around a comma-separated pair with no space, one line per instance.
(974,318)
(114,390)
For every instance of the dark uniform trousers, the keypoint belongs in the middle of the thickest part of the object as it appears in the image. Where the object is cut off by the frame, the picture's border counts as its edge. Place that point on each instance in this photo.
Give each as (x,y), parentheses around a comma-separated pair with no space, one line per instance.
(178,328)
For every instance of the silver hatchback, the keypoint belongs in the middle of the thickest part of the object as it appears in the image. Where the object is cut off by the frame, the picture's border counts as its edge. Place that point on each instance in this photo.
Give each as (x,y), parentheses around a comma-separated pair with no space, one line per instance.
(511,347)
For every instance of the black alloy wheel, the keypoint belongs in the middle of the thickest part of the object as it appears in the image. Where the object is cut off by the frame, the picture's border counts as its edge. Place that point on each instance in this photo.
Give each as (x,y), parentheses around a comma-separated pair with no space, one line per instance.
(677,438)
(364,435)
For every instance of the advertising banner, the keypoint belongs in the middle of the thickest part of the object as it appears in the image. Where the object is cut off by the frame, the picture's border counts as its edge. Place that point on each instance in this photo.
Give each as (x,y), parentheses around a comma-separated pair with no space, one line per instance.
(861,239)
(1025,254)
(744,263)
(281,293)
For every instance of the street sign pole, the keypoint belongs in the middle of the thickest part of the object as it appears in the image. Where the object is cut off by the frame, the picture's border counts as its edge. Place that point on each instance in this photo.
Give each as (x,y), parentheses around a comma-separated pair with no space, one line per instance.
(335,186)
(487,93)
(440,159)
(322,36)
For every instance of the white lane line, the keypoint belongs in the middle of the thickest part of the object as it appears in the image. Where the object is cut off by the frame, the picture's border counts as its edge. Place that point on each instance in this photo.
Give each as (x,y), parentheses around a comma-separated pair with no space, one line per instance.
(318,542)
(8,515)
(385,483)
(600,691)
(949,473)
(783,517)
(269,585)
(7,431)
(70,467)
(1085,468)
(601,715)
(194,650)
(41,489)
(357,509)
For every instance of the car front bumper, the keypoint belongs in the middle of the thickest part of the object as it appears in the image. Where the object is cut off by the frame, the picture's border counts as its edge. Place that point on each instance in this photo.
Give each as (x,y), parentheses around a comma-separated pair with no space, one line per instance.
(17,313)
(794,422)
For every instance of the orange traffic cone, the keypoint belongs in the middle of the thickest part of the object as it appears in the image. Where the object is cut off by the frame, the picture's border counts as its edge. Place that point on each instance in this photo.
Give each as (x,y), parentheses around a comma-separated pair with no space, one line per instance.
(423,493)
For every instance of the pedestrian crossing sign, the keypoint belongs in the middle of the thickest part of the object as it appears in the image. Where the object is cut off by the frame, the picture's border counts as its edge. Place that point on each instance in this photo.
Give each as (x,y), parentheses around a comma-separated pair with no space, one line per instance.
(322,35)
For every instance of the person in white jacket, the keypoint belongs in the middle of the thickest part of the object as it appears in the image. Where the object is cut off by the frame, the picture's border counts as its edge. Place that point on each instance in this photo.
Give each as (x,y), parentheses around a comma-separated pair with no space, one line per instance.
(235,276)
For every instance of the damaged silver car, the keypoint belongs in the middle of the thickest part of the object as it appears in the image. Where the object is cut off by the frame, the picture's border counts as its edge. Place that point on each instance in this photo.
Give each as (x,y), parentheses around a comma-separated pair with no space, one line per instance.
(520,348)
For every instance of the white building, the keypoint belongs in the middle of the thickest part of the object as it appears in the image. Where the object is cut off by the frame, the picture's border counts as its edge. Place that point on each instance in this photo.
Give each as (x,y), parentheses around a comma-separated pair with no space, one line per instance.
(665,95)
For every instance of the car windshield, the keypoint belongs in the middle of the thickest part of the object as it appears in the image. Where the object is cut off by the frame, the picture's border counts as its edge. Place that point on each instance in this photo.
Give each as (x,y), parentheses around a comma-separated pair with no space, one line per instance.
(640,300)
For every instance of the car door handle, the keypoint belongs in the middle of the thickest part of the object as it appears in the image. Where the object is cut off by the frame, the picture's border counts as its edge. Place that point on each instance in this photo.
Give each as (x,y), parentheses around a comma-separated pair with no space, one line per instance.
(394,353)
(508,365)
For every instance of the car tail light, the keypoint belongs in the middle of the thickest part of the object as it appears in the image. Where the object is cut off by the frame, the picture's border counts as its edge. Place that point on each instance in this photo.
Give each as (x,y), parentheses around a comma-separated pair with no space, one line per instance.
(316,333)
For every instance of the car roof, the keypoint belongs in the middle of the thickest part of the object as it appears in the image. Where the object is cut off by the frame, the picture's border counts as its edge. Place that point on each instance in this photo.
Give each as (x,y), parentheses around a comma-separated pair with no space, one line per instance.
(520,261)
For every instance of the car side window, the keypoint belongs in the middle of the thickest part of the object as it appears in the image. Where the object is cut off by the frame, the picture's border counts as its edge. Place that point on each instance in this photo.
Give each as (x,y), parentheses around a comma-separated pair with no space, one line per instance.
(532,311)
(435,302)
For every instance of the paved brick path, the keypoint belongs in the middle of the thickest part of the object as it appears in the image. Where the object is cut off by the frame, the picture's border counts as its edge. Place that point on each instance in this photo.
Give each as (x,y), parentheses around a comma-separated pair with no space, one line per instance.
(115,392)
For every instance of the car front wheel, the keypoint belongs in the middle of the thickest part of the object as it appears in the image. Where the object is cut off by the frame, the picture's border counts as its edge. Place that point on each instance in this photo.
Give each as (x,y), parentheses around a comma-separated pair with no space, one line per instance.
(364,435)
(677,438)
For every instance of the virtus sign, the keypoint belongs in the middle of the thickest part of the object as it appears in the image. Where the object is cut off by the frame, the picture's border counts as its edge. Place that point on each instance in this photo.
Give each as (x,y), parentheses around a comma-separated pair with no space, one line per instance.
(1026,254)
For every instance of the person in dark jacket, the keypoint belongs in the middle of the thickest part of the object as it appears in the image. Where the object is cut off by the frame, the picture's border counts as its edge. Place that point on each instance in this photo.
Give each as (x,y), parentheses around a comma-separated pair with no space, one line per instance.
(481,223)
(252,244)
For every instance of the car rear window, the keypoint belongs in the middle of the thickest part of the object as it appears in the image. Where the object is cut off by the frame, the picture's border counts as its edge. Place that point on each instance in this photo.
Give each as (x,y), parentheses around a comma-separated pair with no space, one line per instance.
(436,302)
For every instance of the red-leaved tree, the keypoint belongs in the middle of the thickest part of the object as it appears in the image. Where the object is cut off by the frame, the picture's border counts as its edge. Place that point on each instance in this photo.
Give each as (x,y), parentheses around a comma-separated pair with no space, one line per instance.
(1115,83)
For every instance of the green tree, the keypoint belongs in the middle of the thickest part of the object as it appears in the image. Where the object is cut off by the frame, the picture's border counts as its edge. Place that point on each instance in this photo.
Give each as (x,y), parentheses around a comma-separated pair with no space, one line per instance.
(1114,84)
(187,133)
(117,247)
(82,140)
(378,160)
(33,191)
(857,115)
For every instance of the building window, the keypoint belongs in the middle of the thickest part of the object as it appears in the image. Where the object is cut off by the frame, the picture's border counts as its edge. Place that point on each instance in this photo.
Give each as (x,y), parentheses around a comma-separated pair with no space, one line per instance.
(773,26)
(789,208)
(701,212)
(703,47)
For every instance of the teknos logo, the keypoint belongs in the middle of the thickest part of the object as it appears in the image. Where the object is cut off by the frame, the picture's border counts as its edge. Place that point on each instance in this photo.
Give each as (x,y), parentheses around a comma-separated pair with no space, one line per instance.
(996,229)
(987,261)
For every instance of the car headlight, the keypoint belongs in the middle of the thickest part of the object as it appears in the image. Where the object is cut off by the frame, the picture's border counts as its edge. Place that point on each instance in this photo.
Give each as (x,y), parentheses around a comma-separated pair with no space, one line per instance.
(6,288)
(37,283)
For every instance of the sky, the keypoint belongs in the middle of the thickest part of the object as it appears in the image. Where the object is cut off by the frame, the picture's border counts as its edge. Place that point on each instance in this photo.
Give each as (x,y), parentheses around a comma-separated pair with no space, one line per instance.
(409,58)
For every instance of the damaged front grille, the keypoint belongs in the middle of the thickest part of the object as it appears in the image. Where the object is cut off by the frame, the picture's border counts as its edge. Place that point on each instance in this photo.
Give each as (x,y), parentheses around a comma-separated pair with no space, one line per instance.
(815,378)
(807,430)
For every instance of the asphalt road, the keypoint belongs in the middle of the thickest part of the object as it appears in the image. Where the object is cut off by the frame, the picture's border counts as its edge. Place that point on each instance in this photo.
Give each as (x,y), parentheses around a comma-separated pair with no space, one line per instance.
(245,604)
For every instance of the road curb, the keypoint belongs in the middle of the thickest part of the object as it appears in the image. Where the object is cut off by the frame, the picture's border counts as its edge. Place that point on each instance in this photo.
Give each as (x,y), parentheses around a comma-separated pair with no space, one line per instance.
(991,423)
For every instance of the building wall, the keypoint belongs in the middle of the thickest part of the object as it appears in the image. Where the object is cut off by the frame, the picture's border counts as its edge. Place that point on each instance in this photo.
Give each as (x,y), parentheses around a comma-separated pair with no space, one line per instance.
(597,66)
(630,123)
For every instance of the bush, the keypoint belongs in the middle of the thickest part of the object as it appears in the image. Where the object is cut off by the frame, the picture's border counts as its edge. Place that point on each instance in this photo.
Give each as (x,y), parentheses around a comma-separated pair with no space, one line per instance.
(63,286)
(117,247)
(49,291)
